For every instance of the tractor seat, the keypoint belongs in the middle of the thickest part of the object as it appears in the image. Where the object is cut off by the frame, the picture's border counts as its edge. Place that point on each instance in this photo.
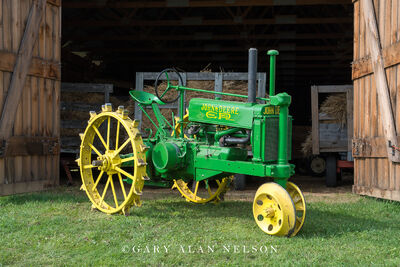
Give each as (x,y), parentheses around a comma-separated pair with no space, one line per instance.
(145,98)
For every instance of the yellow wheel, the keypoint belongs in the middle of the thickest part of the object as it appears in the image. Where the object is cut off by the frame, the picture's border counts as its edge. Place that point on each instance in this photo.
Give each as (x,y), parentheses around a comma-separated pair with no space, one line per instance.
(299,204)
(273,210)
(204,191)
(112,161)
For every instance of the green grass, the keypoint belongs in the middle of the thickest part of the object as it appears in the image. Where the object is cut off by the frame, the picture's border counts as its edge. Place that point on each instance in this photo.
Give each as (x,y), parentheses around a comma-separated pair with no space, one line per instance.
(57,228)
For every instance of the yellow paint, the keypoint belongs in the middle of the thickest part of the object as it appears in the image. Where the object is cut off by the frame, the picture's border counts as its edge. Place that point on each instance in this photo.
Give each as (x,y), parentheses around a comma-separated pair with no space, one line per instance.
(299,204)
(213,195)
(273,210)
(271,110)
(123,196)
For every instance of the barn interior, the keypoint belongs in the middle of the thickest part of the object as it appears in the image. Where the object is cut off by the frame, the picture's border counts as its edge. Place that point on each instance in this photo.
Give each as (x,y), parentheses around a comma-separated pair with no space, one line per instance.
(108,41)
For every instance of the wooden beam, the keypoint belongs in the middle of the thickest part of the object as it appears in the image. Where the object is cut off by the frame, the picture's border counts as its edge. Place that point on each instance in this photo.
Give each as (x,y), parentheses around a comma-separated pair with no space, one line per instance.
(207,36)
(25,187)
(39,67)
(376,192)
(21,68)
(315,120)
(204,48)
(391,56)
(200,21)
(54,2)
(370,147)
(199,3)
(374,46)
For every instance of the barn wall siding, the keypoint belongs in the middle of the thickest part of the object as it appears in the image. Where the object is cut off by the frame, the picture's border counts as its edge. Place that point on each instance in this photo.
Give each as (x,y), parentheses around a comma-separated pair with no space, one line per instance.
(374,174)
(27,168)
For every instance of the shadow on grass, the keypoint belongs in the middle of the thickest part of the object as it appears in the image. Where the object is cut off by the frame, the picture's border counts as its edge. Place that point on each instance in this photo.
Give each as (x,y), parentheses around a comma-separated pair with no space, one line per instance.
(320,221)
(325,223)
(58,195)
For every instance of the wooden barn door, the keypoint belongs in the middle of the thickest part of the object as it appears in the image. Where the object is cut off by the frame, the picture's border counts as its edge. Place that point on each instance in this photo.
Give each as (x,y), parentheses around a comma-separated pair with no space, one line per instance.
(376,76)
(30,38)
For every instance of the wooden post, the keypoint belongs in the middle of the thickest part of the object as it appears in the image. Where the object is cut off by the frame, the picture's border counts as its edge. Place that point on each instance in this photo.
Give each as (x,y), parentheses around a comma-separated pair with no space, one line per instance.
(315,120)
(374,46)
(21,68)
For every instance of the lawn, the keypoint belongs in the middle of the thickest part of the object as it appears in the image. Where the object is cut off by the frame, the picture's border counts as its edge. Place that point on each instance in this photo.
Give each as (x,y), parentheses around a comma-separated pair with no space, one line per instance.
(58,228)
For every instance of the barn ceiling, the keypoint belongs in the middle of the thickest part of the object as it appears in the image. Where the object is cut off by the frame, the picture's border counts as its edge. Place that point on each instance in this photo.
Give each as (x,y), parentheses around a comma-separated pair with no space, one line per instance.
(119,38)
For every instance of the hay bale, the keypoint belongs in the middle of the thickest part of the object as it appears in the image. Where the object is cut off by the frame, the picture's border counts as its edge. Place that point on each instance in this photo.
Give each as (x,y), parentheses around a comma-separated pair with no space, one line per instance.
(306,146)
(335,106)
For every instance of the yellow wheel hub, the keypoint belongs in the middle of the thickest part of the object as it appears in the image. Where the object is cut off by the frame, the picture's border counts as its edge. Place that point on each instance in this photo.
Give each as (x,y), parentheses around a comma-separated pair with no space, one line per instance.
(111,187)
(204,191)
(299,204)
(273,210)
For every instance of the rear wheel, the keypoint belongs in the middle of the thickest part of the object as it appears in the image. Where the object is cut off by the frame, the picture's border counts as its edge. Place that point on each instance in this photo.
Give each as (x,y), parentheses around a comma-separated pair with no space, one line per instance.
(112,165)
(239,182)
(203,191)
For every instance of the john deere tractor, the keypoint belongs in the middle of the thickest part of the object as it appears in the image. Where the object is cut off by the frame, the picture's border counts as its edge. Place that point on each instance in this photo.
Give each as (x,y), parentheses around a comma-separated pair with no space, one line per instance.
(198,152)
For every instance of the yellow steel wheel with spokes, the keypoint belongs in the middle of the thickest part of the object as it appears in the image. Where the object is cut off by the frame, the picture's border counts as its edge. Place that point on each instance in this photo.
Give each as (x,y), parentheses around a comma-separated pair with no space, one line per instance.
(299,204)
(203,191)
(110,141)
(273,210)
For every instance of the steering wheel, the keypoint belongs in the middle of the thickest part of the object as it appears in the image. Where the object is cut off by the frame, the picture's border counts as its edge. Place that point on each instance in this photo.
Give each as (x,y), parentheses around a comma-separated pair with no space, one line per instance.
(162,95)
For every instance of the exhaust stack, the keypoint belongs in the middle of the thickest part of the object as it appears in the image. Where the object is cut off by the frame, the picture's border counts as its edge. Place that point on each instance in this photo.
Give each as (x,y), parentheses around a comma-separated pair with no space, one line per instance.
(252,78)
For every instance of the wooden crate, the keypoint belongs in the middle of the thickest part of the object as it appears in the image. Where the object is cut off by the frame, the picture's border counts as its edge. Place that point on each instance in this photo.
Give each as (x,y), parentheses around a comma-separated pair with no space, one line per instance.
(377,172)
(71,143)
(328,135)
(30,38)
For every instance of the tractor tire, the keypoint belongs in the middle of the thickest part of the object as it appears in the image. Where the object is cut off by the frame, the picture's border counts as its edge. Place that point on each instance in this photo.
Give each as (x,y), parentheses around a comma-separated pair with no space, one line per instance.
(239,182)
(331,176)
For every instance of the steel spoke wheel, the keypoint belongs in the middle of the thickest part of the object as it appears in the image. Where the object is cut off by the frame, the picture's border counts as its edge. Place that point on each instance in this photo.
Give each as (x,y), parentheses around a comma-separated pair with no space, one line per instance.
(204,191)
(112,161)
(299,204)
(274,211)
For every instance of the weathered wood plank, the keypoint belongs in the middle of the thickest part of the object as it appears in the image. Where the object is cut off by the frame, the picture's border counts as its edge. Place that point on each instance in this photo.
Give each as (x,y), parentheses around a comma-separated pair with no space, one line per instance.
(86,87)
(363,66)
(38,67)
(2,160)
(1,25)
(7,25)
(315,120)
(49,123)
(376,192)
(42,123)
(15,25)
(356,36)
(370,147)
(35,123)
(21,69)
(380,78)
(24,187)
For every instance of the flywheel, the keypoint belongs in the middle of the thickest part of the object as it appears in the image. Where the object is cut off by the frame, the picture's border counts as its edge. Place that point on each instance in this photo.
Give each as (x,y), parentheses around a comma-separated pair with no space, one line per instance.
(112,161)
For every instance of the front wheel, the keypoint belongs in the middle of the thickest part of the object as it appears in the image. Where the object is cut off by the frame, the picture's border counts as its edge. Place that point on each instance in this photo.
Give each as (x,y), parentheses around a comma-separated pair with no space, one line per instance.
(274,211)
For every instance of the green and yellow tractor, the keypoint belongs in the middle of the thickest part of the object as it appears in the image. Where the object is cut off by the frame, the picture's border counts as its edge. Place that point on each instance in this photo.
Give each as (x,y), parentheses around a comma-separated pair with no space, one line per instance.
(198,152)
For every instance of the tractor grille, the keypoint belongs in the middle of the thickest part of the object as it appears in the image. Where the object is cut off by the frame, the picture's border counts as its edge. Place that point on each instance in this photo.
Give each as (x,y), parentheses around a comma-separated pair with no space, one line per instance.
(272,138)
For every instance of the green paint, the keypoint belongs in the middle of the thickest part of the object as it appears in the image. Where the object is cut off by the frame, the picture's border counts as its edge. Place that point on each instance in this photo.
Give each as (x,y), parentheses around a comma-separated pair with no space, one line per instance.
(200,157)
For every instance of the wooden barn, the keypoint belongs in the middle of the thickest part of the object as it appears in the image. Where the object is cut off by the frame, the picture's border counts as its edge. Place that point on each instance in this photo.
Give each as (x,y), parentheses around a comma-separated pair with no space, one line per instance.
(30,76)
(376,78)
(109,43)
